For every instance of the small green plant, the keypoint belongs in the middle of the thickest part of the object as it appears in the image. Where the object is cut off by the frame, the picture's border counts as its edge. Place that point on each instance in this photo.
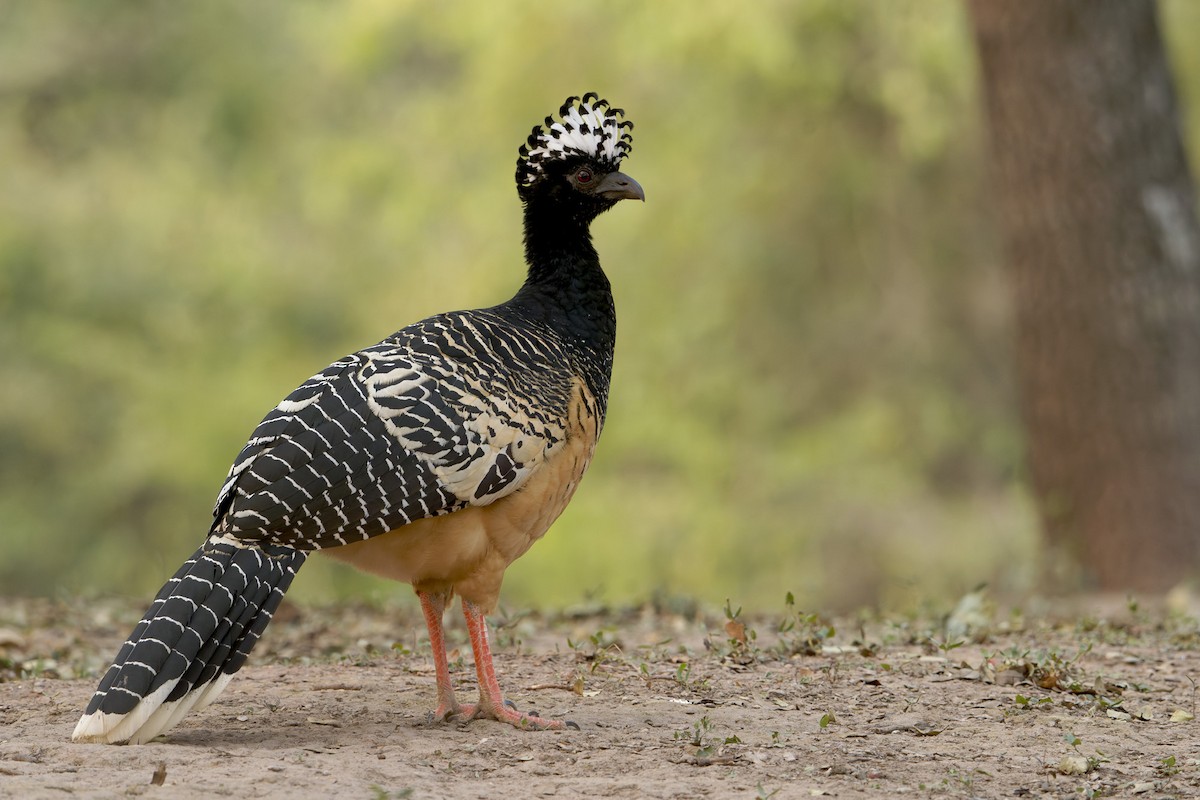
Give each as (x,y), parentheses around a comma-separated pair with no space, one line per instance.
(1026,703)
(741,637)
(698,736)
(801,633)
(379,793)
(701,736)
(1090,762)
(945,646)
(964,779)
(681,677)
(1055,671)
(600,648)
(1047,669)
(763,794)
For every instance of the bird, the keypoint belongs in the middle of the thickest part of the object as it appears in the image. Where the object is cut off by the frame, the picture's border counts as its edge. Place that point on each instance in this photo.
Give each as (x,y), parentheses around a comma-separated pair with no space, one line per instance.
(436,457)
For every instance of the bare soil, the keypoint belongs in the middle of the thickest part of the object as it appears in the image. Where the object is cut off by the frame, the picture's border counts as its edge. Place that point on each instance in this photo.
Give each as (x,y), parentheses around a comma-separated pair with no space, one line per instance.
(669,705)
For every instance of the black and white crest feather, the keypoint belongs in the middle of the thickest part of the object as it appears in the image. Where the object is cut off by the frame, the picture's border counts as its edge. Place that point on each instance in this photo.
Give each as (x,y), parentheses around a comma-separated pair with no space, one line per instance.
(587,126)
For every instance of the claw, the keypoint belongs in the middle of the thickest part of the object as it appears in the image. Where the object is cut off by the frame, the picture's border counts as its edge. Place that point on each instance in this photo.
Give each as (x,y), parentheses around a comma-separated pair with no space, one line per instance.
(572,724)
(467,712)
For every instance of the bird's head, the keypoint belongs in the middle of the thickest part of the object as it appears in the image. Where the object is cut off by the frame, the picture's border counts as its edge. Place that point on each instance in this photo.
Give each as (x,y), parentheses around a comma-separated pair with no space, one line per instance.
(573,162)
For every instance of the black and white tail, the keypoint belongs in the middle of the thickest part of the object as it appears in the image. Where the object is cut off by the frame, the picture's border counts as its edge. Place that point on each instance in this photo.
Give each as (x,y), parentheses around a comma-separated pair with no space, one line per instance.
(191,641)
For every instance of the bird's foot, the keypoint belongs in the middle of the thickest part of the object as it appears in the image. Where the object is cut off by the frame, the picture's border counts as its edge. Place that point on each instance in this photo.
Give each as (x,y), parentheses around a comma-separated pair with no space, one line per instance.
(525,721)
(508,714)
(520,720)
(447,711)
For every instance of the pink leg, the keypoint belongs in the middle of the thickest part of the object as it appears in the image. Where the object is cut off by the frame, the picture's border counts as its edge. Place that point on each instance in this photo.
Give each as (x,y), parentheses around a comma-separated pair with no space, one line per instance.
(491,700)
(433,606)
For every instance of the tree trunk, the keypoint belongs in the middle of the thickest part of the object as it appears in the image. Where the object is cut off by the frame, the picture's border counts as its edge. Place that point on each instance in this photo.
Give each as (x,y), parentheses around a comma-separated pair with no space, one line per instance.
(1103,247)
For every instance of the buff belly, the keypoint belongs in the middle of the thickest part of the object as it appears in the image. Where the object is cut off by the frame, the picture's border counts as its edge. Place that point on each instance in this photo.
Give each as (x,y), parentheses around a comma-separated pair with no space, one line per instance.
(467,552)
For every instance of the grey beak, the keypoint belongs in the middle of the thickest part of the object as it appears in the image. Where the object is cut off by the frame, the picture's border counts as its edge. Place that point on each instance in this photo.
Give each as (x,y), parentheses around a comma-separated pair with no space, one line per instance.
(619,186)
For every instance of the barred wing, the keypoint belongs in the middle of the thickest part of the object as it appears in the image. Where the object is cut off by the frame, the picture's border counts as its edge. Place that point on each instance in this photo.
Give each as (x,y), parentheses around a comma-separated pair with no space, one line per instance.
(457,410)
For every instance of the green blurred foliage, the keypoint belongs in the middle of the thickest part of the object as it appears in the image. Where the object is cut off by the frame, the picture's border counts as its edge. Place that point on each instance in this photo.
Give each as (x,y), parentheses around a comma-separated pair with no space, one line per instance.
(201,204)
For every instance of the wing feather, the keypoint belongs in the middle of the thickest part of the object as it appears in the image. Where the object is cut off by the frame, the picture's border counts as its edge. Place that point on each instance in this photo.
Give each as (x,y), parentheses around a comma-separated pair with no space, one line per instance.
(458,409)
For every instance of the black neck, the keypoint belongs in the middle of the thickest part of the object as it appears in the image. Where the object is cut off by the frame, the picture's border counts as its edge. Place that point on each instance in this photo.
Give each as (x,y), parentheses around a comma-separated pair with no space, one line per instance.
(567,289)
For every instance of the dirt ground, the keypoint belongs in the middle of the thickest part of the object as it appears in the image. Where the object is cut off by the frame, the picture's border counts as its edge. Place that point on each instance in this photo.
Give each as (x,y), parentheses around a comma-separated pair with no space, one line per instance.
(671,703)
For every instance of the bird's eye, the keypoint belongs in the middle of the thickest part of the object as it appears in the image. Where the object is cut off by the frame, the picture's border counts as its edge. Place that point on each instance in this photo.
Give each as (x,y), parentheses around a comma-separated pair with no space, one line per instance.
(584,176)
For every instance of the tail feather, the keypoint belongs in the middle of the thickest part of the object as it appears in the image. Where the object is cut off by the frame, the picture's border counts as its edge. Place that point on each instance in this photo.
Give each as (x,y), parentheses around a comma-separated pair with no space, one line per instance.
(250,596)
(198,632)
